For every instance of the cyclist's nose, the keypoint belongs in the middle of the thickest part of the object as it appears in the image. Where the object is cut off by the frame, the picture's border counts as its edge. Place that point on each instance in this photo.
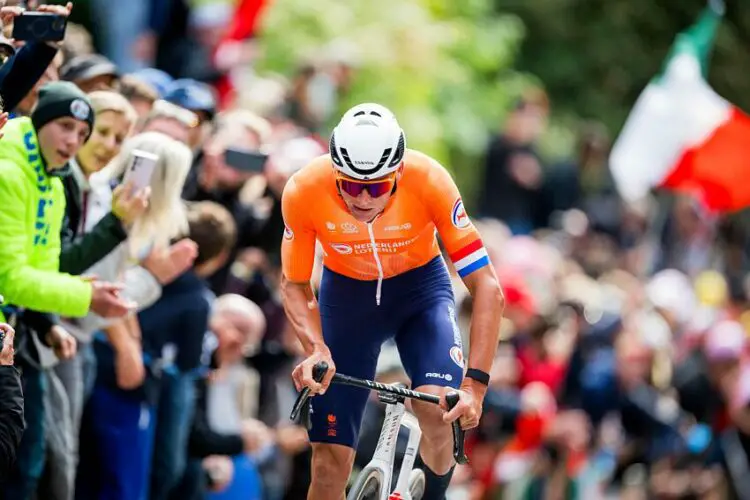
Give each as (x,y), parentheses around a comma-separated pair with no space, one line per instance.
(364,196)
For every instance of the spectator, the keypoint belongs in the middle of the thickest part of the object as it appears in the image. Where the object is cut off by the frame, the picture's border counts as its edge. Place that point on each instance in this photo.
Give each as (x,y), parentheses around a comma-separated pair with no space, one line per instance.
(113,424)
(26,104)
(216,181)
(156,78)
(171,120)
(114,123)
(196,97)
(78,41)
(83,246)
(513,171)
(32,155)
(173,331)
(11,407)
(91,72)
(141,95)
(26,69)
(221,425)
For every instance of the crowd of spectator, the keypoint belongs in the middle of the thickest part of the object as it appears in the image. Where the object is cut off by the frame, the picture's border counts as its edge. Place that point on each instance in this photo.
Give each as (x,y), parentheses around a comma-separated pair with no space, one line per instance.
(152,352)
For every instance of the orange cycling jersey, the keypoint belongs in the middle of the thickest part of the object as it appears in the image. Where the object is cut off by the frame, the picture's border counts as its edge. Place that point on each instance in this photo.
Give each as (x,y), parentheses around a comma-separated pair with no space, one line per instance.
(402,238)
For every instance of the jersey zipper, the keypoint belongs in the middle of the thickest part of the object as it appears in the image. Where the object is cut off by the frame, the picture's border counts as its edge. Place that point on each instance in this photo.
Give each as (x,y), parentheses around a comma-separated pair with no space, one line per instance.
(377,262)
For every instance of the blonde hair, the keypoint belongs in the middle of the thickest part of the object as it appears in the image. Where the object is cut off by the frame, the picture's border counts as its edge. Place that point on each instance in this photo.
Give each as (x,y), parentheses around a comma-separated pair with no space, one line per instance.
(244,119)
(166,216)
(106,100)
(165,109)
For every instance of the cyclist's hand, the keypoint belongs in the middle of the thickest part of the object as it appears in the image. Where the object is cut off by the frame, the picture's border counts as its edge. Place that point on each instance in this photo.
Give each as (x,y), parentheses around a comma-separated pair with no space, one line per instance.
(303,376)
(467,410)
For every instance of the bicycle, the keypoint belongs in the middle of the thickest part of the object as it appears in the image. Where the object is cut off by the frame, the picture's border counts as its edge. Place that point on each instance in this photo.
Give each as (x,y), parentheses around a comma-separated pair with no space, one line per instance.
(374,480)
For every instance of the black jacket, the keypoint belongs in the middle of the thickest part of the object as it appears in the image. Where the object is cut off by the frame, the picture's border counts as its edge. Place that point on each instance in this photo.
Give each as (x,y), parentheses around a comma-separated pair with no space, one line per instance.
(21,71)
(78,254)
(11,418)
(204,441)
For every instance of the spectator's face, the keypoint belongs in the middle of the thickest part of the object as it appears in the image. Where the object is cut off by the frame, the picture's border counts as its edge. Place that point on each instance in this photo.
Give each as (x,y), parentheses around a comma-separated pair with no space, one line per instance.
(101,82)
(170,127)
(237,333)
(60,140)
(526,125)
(110,131)
(215,170)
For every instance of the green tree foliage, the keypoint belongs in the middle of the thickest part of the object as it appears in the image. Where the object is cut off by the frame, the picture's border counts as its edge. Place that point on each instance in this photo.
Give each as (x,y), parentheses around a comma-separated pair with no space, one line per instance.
(443,66)
(595,56)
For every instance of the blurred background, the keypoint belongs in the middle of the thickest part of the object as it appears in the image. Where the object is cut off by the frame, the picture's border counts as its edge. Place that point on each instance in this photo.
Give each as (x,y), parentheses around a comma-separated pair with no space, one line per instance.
(622,370)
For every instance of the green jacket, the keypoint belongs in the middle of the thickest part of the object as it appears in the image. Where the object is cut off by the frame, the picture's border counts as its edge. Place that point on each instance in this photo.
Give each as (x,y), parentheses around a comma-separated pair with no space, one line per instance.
(32,206)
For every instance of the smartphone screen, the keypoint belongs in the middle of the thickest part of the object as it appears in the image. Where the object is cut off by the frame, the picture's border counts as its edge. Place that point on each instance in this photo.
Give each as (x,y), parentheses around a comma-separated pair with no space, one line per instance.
(245,160)
(141,169)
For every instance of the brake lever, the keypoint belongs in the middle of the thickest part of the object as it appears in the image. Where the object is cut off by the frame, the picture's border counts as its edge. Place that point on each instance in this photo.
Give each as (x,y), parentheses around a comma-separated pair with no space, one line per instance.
(302,409)
(459,435)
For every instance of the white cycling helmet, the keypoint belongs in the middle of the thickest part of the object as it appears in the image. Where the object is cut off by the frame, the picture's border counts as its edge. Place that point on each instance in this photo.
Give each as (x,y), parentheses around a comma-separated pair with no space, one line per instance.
(367,143)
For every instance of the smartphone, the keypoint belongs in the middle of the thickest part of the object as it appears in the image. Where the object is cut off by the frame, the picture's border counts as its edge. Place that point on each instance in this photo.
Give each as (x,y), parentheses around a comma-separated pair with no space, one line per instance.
(39,26)
(141,169)
(245,160)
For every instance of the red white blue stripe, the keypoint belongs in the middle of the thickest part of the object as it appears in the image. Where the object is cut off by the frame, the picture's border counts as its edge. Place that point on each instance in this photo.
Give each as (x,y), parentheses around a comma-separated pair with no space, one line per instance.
(470,258)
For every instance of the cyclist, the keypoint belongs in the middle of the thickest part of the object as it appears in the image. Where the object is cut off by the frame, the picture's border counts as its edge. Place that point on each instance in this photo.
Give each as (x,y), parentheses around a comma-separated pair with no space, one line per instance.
(374,207)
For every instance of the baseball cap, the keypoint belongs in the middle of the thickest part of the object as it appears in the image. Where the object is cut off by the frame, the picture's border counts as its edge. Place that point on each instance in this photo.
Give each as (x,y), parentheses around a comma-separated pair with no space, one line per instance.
(192,95)
(158,79)
(88,66)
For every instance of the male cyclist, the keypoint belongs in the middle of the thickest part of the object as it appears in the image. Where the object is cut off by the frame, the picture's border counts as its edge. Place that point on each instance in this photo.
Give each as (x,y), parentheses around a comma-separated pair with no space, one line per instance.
(374,207)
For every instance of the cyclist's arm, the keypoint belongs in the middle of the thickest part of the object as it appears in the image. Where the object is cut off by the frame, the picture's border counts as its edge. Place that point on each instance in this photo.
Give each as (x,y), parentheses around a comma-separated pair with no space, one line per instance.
(472,263)
(297,259)
(486,315)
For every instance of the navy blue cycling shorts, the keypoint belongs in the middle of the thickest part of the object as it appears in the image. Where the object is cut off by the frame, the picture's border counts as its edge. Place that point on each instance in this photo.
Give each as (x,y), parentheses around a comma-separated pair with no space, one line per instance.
(417,309)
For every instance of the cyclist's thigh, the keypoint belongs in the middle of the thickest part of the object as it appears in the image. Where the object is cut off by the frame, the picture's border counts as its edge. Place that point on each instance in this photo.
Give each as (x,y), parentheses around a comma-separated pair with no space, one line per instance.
(354,334)
(429,343)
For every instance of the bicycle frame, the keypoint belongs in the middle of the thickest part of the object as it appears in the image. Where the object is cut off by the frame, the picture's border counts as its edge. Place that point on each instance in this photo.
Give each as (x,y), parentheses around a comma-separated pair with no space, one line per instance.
(385,453)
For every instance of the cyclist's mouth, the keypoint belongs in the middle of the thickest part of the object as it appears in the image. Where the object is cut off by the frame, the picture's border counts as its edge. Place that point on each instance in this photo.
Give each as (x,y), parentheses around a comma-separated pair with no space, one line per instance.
(360,210)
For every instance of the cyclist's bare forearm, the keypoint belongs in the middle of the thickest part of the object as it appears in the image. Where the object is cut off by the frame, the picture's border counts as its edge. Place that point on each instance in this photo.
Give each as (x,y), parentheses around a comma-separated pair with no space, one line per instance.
(302,310)
(486,314)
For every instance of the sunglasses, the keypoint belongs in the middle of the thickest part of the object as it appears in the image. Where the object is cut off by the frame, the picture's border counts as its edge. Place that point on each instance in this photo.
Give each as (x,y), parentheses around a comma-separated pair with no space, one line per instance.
(375,189)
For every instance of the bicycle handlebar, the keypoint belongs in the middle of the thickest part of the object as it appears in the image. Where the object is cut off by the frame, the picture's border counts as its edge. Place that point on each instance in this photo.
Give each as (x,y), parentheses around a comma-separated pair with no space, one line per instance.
(303,405)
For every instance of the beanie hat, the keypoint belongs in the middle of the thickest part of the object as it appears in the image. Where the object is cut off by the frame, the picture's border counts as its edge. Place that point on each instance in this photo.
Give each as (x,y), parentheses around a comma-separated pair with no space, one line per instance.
(61,99)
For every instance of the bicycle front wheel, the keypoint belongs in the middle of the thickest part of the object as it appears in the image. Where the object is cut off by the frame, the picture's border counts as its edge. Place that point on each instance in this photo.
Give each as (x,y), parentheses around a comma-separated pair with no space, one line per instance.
(368,485)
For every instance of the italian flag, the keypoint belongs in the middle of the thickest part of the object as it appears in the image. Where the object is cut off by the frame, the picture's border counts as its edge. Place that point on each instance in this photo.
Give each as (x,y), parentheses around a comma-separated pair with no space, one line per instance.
(683,136)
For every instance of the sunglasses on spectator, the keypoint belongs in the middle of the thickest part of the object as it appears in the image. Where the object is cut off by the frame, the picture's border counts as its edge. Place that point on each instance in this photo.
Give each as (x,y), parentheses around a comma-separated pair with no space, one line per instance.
(375,188)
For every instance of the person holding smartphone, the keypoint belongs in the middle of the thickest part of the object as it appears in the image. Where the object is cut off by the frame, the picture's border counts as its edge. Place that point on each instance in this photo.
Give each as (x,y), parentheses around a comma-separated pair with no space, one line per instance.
(11,403)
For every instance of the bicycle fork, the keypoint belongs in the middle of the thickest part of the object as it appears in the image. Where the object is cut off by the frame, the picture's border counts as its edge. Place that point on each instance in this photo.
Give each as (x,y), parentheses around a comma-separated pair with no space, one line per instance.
(385,453)
(410,455)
